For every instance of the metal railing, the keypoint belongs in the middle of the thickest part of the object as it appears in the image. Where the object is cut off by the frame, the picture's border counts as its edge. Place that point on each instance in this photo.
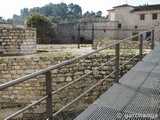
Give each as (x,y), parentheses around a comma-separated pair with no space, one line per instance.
(48,78)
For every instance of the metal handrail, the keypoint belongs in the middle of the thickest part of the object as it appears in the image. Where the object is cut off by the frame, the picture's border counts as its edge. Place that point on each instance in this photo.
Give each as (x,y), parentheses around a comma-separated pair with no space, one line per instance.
(84,93)
(82,77)
(24,78)
(47,73)
(54,92)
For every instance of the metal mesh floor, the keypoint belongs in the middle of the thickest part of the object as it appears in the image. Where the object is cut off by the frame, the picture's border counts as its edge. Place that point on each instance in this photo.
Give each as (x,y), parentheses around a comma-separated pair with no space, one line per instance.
(136,97)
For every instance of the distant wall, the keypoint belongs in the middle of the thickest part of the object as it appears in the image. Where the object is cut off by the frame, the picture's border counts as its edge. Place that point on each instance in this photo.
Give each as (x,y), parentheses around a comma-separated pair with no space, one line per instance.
(17,40)
(68,32)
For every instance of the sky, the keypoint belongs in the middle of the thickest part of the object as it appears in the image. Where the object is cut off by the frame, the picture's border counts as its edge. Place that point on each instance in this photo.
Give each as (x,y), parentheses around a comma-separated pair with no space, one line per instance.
(10,7)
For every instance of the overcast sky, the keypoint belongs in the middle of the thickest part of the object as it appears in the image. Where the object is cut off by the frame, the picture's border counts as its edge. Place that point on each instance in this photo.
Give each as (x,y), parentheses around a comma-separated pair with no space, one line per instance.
(10,7)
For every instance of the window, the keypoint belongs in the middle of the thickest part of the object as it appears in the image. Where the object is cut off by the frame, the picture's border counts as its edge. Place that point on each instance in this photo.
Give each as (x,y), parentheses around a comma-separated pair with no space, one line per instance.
(135,27)
(135,38)
(148,35)
(154,16)
(142,17)
(119,25)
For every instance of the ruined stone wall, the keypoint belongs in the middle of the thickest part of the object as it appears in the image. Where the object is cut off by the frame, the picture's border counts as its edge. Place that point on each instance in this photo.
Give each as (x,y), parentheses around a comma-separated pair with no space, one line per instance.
(130,44)
(27,92)
(17,40)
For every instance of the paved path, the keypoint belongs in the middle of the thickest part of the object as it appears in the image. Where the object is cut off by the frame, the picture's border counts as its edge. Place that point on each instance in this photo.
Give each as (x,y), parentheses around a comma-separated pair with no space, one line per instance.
(136,97)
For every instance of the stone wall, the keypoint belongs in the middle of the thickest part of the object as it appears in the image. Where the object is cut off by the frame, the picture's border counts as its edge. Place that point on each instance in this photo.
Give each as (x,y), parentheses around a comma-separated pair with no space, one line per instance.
(27,92)
(17,40)
(130,44)
(68,32)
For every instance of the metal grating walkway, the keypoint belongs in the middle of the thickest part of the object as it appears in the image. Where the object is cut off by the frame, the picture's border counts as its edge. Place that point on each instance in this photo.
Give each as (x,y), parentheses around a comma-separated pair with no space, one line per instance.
(136,97)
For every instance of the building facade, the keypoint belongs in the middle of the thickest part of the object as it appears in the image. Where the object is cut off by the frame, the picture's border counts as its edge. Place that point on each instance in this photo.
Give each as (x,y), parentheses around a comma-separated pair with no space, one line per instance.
(135,19)
(123,21)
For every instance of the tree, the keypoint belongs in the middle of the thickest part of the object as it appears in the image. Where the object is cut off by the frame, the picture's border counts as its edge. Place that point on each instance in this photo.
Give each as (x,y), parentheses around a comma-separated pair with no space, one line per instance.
(87,14)
(45,33)
(17,19)
(59,12)
(24,12)
(74,11)
(47,10)
(2,19)
(35,10)
(99,14)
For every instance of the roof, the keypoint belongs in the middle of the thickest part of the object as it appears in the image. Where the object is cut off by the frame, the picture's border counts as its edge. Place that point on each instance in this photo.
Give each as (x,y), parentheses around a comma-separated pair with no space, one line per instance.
(124,5)
(111,10)
(147,7)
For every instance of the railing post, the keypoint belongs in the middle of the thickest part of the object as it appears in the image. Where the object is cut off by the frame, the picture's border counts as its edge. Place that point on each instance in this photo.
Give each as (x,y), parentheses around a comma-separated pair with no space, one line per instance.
(78,36)
(92,34)
(49,110)
(140,46)
(152,39)
(117,52)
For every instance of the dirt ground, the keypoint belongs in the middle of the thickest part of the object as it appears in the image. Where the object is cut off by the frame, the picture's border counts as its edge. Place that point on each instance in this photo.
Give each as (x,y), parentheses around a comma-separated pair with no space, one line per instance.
(84,48)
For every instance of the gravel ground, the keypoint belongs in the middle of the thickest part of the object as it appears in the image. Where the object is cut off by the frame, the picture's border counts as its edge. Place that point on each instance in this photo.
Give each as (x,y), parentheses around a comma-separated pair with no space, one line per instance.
(65,48)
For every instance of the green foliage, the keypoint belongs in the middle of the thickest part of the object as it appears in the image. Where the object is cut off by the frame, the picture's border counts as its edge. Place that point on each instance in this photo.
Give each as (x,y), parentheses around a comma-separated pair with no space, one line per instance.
(45,33)
(37,20)
(2,19)
(56,12)
(128,51)
(92,14)
(105,41)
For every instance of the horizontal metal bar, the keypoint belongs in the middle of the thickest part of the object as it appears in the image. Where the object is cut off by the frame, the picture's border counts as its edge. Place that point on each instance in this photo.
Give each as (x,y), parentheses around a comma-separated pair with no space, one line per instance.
(127,61)
(29,106)
(83,93)
(102,29)
(76,80)
(13,115)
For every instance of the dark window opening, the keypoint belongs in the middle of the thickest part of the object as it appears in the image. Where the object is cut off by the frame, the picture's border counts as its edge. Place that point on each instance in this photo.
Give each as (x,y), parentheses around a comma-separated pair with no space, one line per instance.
(104,30)
(135,38)
(82,39)
(73,38)
(85,23)
(135,27)
(142,17)
(119,26)
(148,36)
(154,16)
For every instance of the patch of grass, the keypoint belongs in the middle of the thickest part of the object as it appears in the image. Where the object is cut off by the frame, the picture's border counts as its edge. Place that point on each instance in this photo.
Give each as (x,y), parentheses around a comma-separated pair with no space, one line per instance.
(105,41)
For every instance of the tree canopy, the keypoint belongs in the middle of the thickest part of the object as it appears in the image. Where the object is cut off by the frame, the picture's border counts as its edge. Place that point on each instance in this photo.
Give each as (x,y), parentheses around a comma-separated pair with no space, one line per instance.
(45,33)
(58,12)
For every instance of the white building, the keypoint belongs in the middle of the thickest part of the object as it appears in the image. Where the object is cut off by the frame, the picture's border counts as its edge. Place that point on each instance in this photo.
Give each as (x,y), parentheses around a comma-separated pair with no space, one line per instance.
(123,21)
(135,19)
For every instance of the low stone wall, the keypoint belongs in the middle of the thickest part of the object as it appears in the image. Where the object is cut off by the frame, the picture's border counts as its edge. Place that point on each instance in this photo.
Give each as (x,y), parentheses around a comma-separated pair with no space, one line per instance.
(17,40)
(27,92)
(125,45)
